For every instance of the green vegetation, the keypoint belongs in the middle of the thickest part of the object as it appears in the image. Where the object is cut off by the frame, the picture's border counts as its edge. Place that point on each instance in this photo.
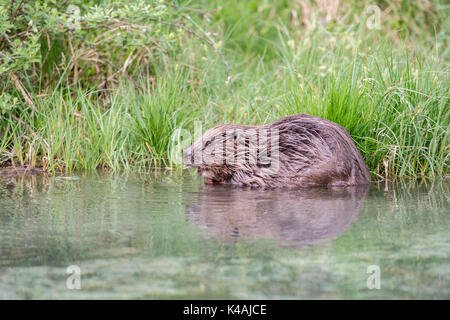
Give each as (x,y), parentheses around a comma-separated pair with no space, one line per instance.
(110,91)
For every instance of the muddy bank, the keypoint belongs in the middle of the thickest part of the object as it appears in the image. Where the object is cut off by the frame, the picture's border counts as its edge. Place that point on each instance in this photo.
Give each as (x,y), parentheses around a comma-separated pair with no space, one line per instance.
(10,172)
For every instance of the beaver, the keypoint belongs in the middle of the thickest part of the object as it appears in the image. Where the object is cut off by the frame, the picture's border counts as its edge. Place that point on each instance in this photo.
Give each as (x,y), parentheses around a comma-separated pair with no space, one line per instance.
(295,151)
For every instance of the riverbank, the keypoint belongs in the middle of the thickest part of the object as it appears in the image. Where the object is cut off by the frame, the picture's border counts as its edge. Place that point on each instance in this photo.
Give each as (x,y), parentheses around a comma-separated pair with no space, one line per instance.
(389,90)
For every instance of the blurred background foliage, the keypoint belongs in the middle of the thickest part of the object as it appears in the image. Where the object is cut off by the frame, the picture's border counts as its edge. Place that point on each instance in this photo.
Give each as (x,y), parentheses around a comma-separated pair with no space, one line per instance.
(95,43)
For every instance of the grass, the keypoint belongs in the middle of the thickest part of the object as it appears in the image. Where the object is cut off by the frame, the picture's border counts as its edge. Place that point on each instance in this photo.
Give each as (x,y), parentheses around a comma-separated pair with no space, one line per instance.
(391,92)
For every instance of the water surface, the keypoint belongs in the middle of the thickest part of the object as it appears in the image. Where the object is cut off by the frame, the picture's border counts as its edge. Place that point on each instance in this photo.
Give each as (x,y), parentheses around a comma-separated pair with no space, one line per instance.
(167,235)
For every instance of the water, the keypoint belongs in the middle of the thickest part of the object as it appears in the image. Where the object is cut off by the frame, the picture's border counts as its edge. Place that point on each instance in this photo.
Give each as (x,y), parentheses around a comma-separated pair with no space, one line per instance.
(166,235)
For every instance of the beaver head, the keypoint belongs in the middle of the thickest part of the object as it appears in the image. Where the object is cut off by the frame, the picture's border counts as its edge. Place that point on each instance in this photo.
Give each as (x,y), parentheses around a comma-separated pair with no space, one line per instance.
(225,151)
(206,154)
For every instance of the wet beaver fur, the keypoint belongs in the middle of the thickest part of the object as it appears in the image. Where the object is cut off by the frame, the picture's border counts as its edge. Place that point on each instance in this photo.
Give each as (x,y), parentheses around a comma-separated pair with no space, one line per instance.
(300,151)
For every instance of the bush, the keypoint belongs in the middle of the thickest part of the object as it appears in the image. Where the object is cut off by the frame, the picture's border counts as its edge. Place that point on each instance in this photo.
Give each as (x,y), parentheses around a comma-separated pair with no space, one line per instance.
(87,42)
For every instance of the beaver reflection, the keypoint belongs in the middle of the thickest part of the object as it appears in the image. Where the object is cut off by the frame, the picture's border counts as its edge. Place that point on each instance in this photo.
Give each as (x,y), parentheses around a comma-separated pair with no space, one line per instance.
(298,217)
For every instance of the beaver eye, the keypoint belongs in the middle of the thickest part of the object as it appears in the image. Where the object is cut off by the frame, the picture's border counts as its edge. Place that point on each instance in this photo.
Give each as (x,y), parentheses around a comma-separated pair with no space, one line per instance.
(207,143)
